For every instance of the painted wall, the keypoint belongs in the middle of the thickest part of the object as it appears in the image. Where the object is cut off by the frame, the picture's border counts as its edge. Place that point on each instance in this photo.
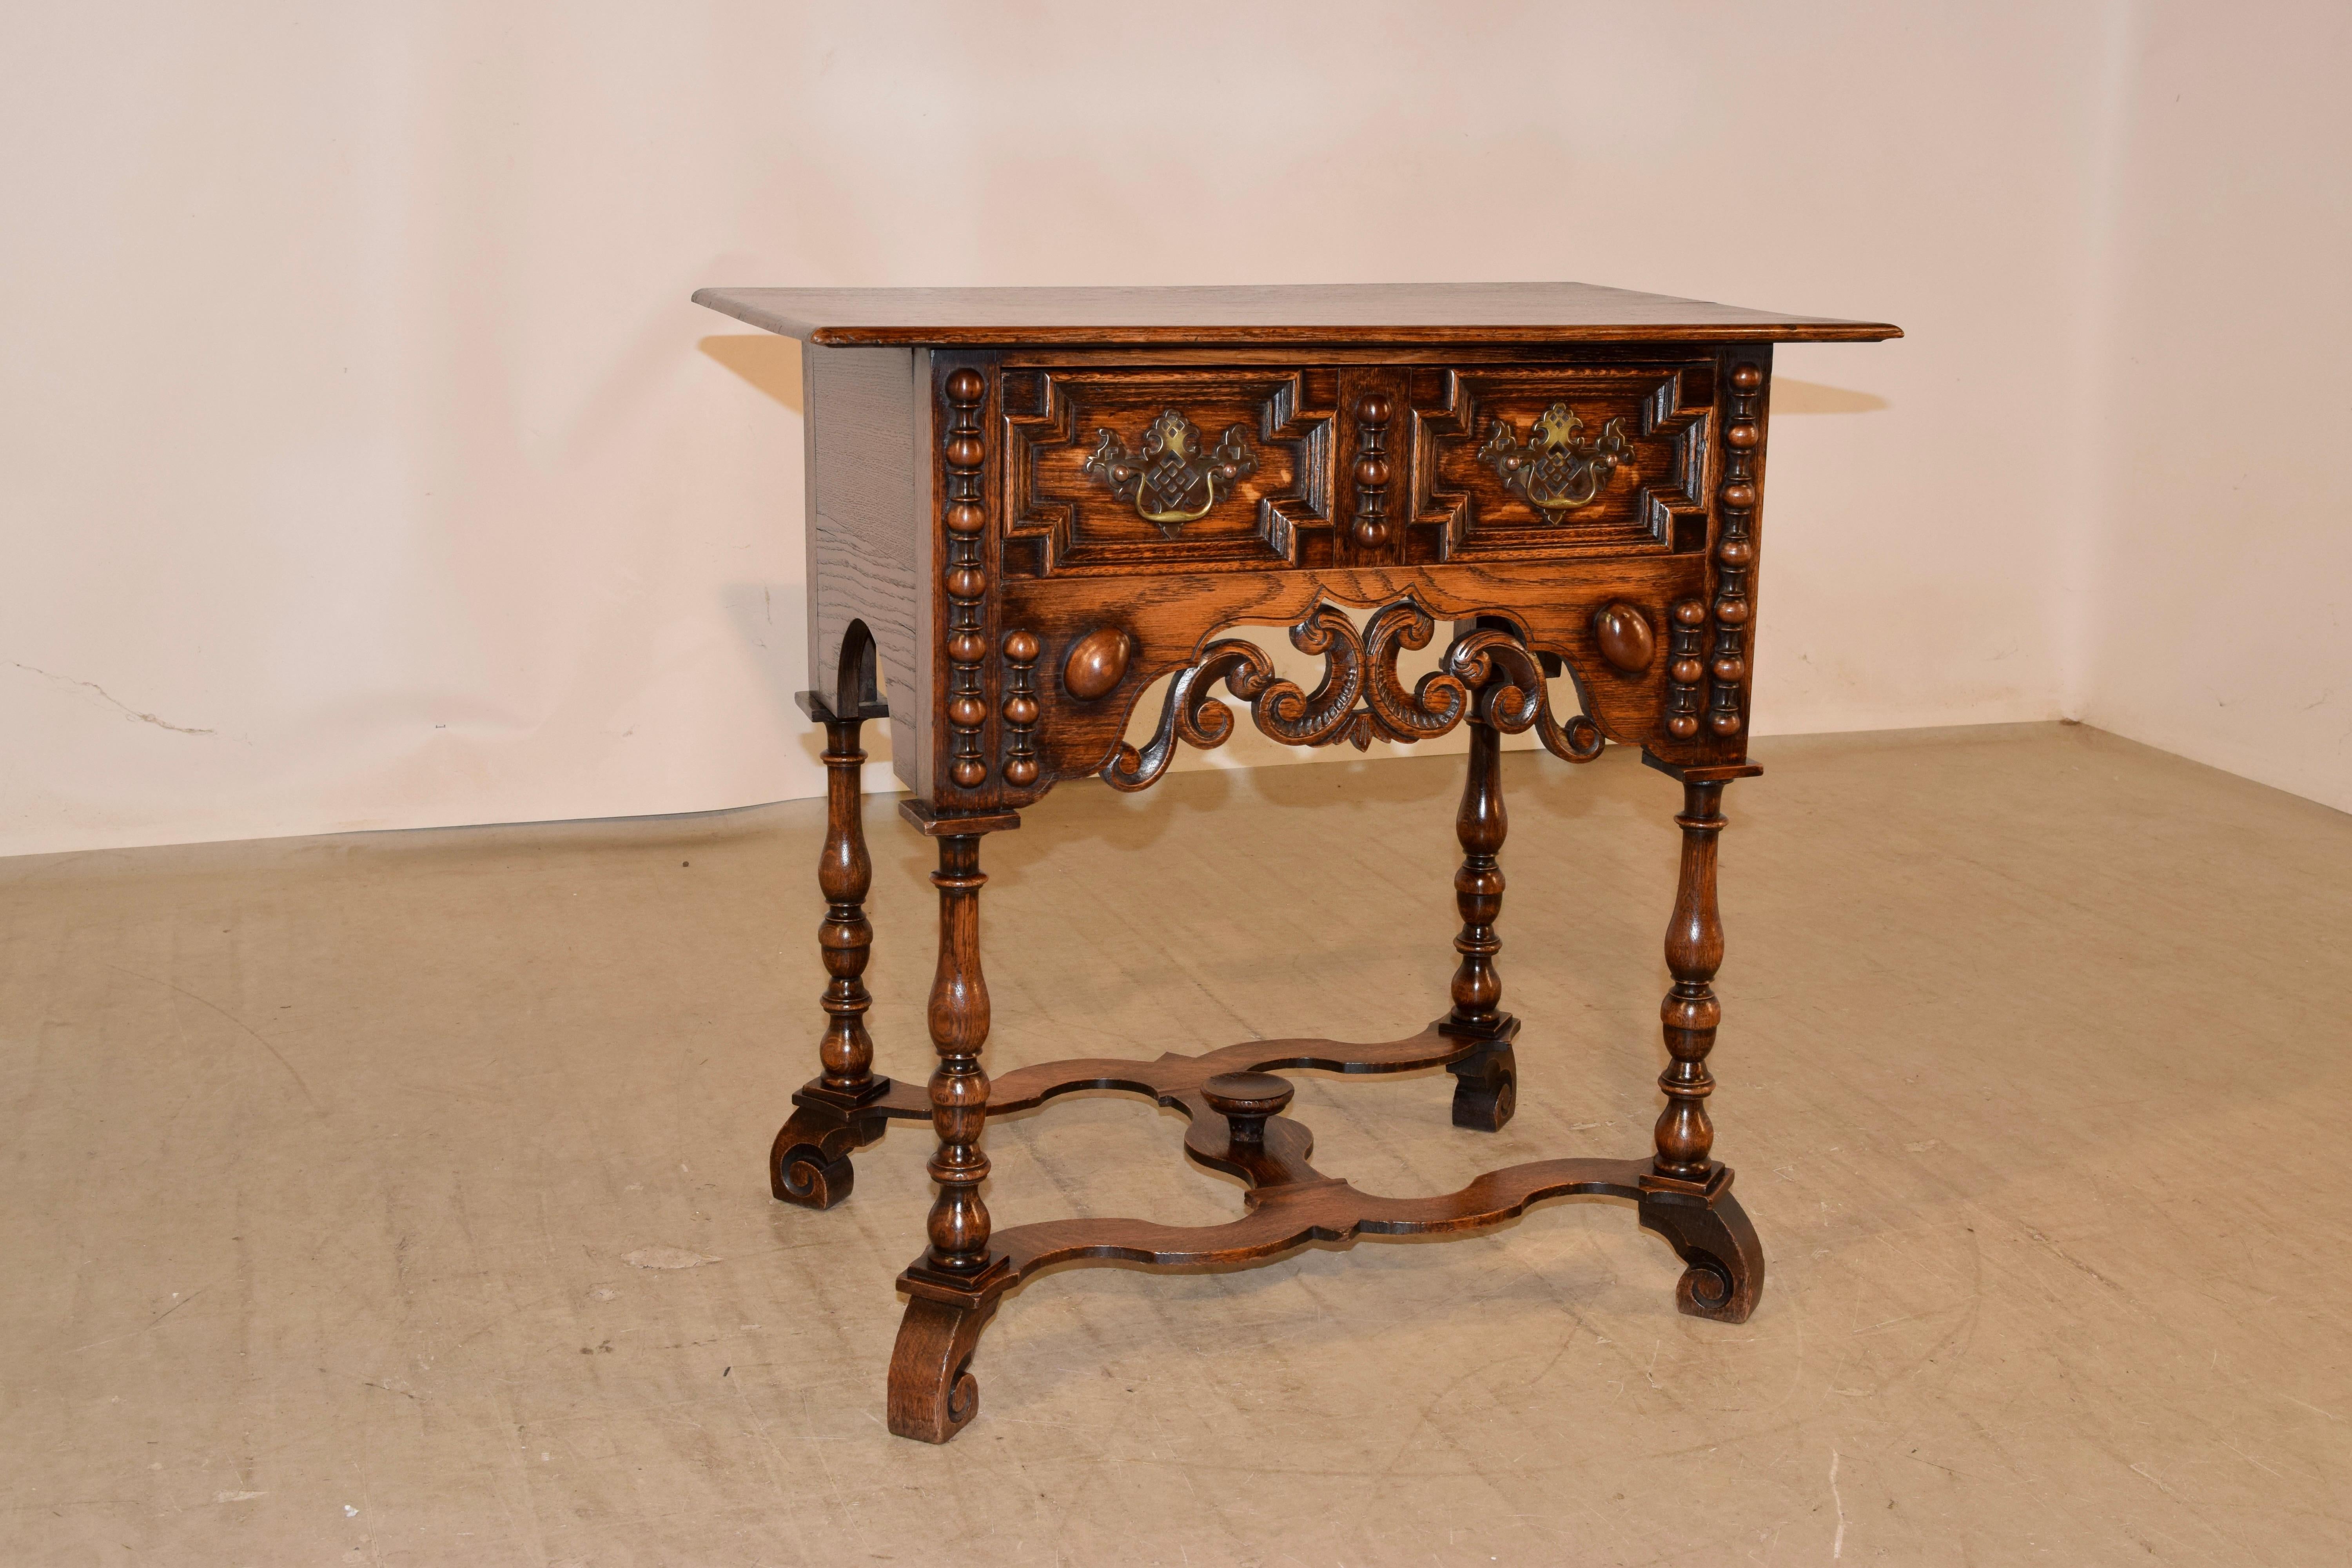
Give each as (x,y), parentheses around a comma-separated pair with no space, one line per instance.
(361,463)
(2217,579)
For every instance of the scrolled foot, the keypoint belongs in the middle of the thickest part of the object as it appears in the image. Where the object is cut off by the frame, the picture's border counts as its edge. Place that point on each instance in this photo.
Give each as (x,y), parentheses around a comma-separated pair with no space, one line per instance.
(802,1176)
(808,1164)
(933,1394)
(1726,1272)
(1486,1089)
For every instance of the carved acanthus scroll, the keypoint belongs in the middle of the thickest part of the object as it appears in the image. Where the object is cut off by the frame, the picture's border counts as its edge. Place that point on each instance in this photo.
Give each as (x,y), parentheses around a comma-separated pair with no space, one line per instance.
(1360,696)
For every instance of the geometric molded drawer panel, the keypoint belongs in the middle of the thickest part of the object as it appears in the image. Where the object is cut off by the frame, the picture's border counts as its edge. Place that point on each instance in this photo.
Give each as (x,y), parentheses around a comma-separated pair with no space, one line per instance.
(1126,470)
(1535,463)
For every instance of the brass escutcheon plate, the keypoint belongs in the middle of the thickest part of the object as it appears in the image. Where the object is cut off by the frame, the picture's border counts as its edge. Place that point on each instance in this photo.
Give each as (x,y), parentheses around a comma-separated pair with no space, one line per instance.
(1171,481)
(1555,469)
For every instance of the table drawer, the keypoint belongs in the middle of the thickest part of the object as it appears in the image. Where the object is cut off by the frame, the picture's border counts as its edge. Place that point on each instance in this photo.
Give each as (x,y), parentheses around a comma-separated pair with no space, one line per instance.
(1516,462)
(1143,468)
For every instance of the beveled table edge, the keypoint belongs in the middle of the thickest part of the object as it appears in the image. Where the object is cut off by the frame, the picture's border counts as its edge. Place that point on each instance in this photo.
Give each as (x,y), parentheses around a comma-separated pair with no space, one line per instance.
(1764,329)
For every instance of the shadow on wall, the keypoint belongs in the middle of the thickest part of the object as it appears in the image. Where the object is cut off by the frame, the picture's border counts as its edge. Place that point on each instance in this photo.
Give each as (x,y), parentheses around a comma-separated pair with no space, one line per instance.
(768,362)
(768,615)
(772,364)
(1811,397)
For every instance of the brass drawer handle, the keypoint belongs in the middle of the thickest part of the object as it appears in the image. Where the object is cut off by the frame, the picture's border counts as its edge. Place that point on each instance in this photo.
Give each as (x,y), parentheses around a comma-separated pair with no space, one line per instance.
(1172,481)
(1556,471)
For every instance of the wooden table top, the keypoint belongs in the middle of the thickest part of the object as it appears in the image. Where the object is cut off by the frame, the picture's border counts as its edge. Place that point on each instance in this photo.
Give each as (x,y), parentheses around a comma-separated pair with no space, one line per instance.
(1274,313)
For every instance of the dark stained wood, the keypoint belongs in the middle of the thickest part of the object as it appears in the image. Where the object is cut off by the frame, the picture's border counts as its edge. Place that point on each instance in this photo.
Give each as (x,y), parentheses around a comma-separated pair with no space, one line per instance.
(1017,537)
(931,1373)
(1082,493)
(1624,637)
(1711,1234)
(1734,545)
(1273,313)
(959,1089)
(1177,1082)
(1246,1099)
(1702,773)
(1481,824)
(1021,709)
(1685,671)
(1542,459)
(845,874)
(809,1164)
(1691,1013)
(1487,1081)
(933,1392)
(1490,670)
(1115,469)
(1285,1218)
(965,577)
(1095,663)
(948,825)
(1485,1087)
(1373,473)
(1171,624)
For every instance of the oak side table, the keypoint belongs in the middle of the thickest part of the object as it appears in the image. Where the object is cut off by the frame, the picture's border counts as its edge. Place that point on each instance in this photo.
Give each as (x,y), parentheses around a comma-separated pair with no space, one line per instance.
(1027,505)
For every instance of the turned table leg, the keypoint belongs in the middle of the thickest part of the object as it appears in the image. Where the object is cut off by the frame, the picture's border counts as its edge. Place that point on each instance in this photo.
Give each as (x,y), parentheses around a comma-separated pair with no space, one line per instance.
(956,1282)
(1691,1013)
(1687,1197)
(1485,1087)
(959,1026)
(809,1162)
(845,875)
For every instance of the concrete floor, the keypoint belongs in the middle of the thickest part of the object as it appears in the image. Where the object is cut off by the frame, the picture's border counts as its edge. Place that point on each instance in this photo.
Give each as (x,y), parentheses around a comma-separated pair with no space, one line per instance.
(326,1159)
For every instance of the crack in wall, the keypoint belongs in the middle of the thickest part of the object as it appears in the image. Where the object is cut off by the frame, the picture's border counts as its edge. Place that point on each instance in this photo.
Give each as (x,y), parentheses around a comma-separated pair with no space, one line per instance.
(128,711)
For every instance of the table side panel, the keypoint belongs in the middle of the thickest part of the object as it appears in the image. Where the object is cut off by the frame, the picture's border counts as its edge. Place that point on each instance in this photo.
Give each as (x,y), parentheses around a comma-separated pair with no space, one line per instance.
(866,545)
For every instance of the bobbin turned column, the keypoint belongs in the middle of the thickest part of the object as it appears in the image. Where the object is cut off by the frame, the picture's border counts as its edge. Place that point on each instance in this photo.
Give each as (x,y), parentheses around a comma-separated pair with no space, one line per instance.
(1687,1197)
(959,1090)
(1691,1013)
(809,1165)
(954,1287)
(845,875)
(1485,1087)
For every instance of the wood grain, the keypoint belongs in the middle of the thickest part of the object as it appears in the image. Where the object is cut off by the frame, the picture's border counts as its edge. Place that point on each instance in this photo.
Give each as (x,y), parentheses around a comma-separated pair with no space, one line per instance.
(1236,1126)
(1690,1013)
(958,1091)
(809,1164)
(864,538)
(1275,314)
(1027,506)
